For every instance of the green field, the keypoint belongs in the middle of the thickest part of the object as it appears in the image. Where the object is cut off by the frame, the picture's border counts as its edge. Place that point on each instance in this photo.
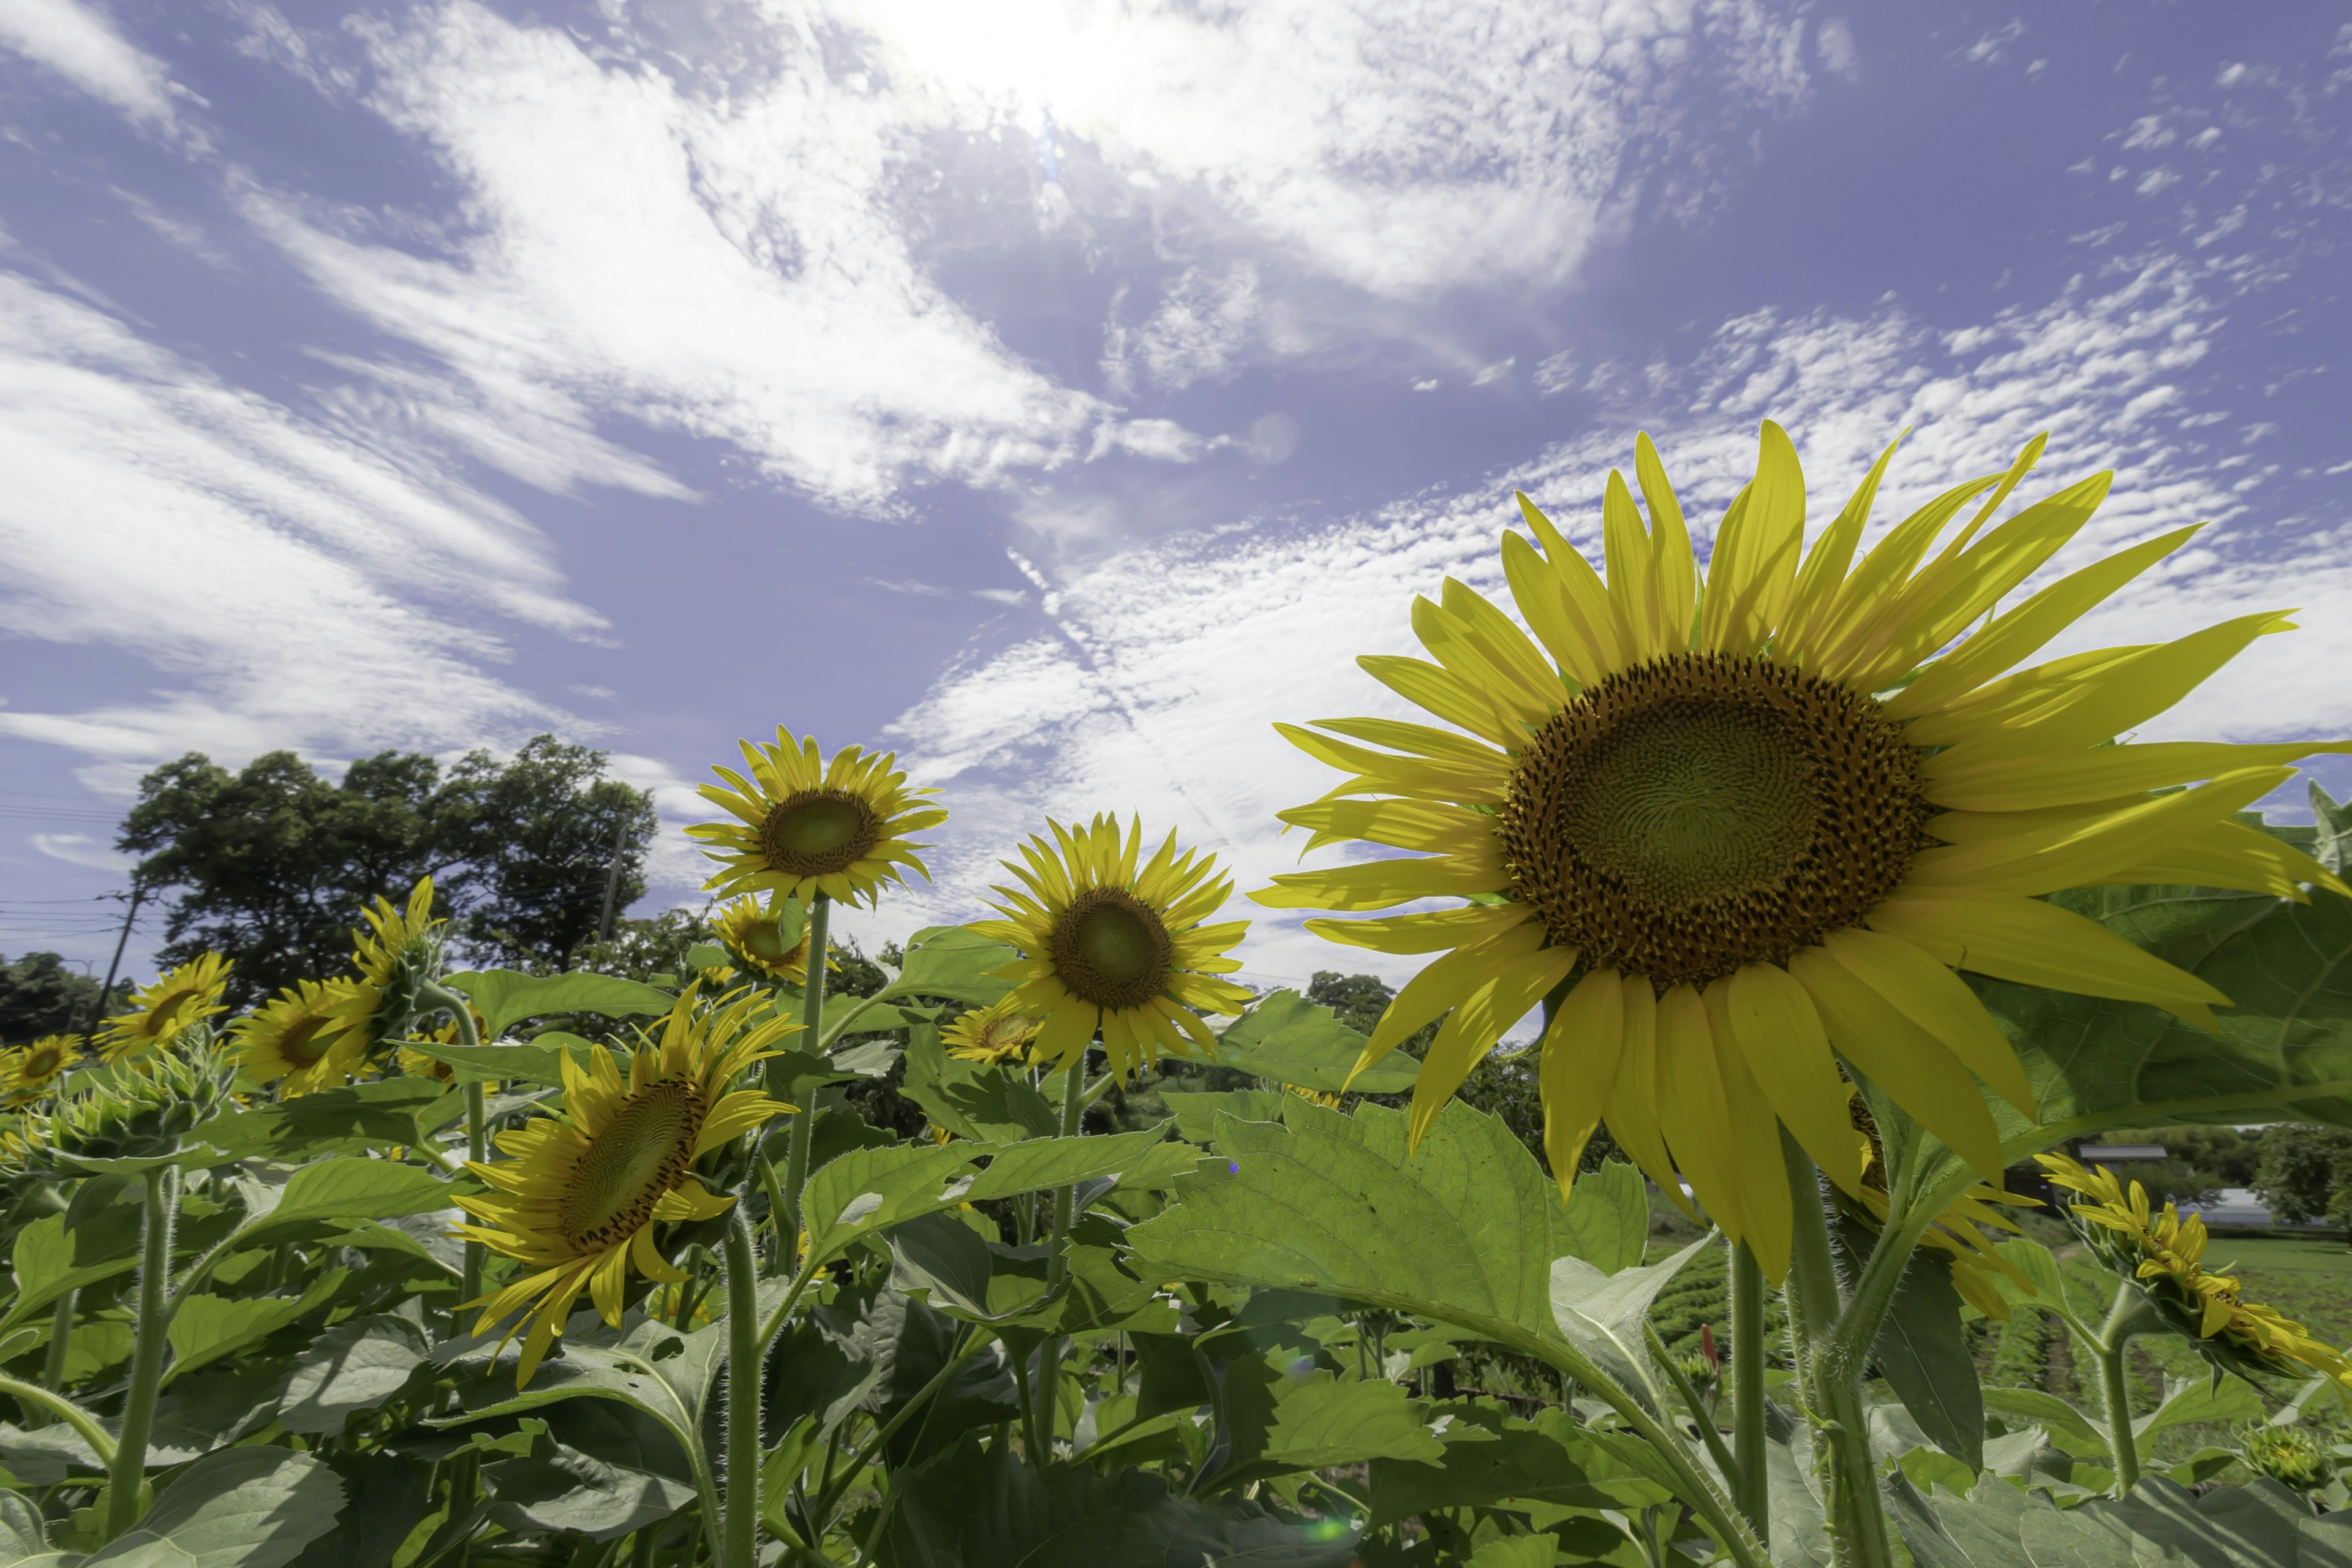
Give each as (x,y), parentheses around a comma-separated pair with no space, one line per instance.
(2266,1255)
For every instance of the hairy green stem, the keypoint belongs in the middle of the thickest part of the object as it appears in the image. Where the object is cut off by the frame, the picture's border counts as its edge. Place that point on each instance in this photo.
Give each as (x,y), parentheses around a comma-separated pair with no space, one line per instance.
(1057,1261)
(127,1473)
(1748,1488)
(478,1131)
(744,1355)
(1707,1433)
(61,1327)
(1859,1536)
(2128,1316)
(35,1398)
(804,1129)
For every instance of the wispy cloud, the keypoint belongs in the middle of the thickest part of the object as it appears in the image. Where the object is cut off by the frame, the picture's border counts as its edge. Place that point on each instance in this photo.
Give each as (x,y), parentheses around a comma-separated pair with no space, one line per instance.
(81,43)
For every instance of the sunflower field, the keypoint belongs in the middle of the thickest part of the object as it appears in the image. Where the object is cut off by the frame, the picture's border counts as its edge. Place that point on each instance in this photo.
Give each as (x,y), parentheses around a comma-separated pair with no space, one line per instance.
(1837,910)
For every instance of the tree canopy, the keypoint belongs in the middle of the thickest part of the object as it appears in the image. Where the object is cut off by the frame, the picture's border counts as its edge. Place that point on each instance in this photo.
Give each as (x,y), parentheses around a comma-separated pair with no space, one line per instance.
(272,864)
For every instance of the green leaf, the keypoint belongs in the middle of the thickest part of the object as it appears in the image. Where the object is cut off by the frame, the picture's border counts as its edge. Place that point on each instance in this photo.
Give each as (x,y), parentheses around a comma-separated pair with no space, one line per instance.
(1923,1351)
(1609,1218)
(1289,1039)
(2333,838)
(388,1497)
(516,1060)
(954,963)
(344,1190)
(334,1120)
(569,1490)
(207,1327)
(505,997)
(1465,1230)
(1487,1458)
(2189,1401)
(944,1258)
(782,1465)
(1196,1114)
(1605,1315)
(2034,1404)
(239,1507)
(2161,1523)
(867,1190)
(792,923)
(1323,1422)
(23,1532)
(708,955)
(971,1100)
(1047,1163)
(2284,1049)
(1517,1551)
(50,1261)
(356,1365)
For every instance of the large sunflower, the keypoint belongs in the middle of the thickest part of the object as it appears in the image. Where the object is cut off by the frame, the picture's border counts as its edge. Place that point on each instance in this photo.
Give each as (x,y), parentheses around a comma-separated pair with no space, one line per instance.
(1759,828)
(809,827)
(577,1199)
(27,1072)
(748,928)
(397,956)
(1117,944)
(179,997)
(299,1037)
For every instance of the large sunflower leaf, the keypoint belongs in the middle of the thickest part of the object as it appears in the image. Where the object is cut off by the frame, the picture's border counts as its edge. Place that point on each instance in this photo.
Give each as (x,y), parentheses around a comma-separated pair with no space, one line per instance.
(954,963)
(207,1327)
(51,1260)
(341,1190)
(356,1365)
(1289,1039)
(2282,1050)
(505,997)
(1463,1230)
(239,1507)
(972,1099)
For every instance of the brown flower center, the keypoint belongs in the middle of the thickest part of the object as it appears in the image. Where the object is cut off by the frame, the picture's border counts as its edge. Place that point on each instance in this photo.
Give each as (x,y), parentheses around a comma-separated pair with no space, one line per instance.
(642,1153)
(1701,811)
(1112,949)
(818,833)
(305,1041)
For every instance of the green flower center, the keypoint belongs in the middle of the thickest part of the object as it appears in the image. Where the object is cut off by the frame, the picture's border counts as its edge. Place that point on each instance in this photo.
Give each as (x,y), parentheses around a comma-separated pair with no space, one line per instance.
(306,1041)
(1110,948)
(818,833)
(1702,812)
(641,1155)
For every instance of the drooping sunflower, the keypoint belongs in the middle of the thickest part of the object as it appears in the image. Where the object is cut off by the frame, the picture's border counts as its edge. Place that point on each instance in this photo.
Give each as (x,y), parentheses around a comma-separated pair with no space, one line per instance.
(747,928)
(999,1032)
(2166,1256)
(1116,944)
(397,956)
(299,1037)
(1759,828)
(186,994)
(809,827)
(577,1199)
(27,1072)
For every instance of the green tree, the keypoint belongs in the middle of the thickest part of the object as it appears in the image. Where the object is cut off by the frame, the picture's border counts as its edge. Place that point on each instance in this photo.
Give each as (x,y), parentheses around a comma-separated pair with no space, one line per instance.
(2306,1174)
(39,995)
(271,864)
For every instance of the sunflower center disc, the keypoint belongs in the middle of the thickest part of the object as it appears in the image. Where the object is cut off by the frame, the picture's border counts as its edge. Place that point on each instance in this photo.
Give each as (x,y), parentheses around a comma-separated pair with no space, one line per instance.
(628,1166)
(1111,949)
(766,943)
(1702,812)
(818,833)
(302,1043)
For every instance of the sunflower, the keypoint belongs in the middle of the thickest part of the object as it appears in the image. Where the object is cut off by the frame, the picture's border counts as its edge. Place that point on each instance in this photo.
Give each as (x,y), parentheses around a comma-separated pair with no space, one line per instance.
(1317,1097)
(999,1032)
(301,1037)
(2165,1255)
(748,928)
(811,827)
(576,1202)
(416,1063)
(180,996)
(1759,828)
(26,1072)
(397,956)
(1116,946)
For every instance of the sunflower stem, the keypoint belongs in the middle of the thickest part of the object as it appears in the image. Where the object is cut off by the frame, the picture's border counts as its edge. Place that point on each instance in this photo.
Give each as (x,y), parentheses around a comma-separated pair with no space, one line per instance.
(477,1125)
(1747,1389)
(2128,1316)
(61,1327)
(803,1136)
(128,1474)
(744,1355)
(49,1402)
(1057,1261)
(1859,1537)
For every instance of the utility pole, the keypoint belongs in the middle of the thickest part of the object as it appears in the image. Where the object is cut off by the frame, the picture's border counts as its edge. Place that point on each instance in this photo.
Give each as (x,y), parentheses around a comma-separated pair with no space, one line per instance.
(138,893)
(613,877)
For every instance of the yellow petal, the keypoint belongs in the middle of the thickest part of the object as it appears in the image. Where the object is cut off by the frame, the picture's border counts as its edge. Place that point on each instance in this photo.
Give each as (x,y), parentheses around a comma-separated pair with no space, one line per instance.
(1761,1168)
(1398,824)
(1466,657)
(1670,546)
(1471,1030)
(2072,854)
(2103,773)
(1826,564)
(1429,932)
(1776,1029)
(1869,598)
(1939,1002)
(1692,1110)
(1377,884)
(1444,693)
(2230,855)
(1584,596)
(1577,1071)
(1632,1113)
(1910,1066)
(1447,981)
(1633,580)
(1753,569)
(2036,943)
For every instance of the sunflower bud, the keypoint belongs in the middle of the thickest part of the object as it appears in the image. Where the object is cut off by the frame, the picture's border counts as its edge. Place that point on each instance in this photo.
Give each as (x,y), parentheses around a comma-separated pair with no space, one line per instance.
(127,1114)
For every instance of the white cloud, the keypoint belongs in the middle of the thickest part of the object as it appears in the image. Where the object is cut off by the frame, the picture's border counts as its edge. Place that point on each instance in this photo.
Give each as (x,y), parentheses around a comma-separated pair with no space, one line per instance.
(1833,41)
(270,568)
(1170,662)
(730,265)
(81,43)
(1198,332)
(81,849)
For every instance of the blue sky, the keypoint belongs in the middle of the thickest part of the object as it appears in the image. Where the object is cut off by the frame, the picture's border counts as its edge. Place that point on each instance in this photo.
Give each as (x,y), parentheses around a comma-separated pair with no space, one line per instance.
(1059,394)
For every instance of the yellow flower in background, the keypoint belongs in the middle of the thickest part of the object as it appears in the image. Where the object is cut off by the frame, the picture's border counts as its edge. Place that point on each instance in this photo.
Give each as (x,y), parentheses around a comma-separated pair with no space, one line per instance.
(1317,1097)
(807,826)
(298,1038)
(576,1201)
(1760,826)
(185,996)
(414,1063)
(396,957)
(1114,943)
(27,1072)
(1959,1233)
(2166,1255)
(999,1032)
(748,928)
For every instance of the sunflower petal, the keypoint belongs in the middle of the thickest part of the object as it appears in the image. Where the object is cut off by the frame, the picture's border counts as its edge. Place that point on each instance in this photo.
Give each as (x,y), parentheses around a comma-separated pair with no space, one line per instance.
(1577,1068)
(2037,943)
